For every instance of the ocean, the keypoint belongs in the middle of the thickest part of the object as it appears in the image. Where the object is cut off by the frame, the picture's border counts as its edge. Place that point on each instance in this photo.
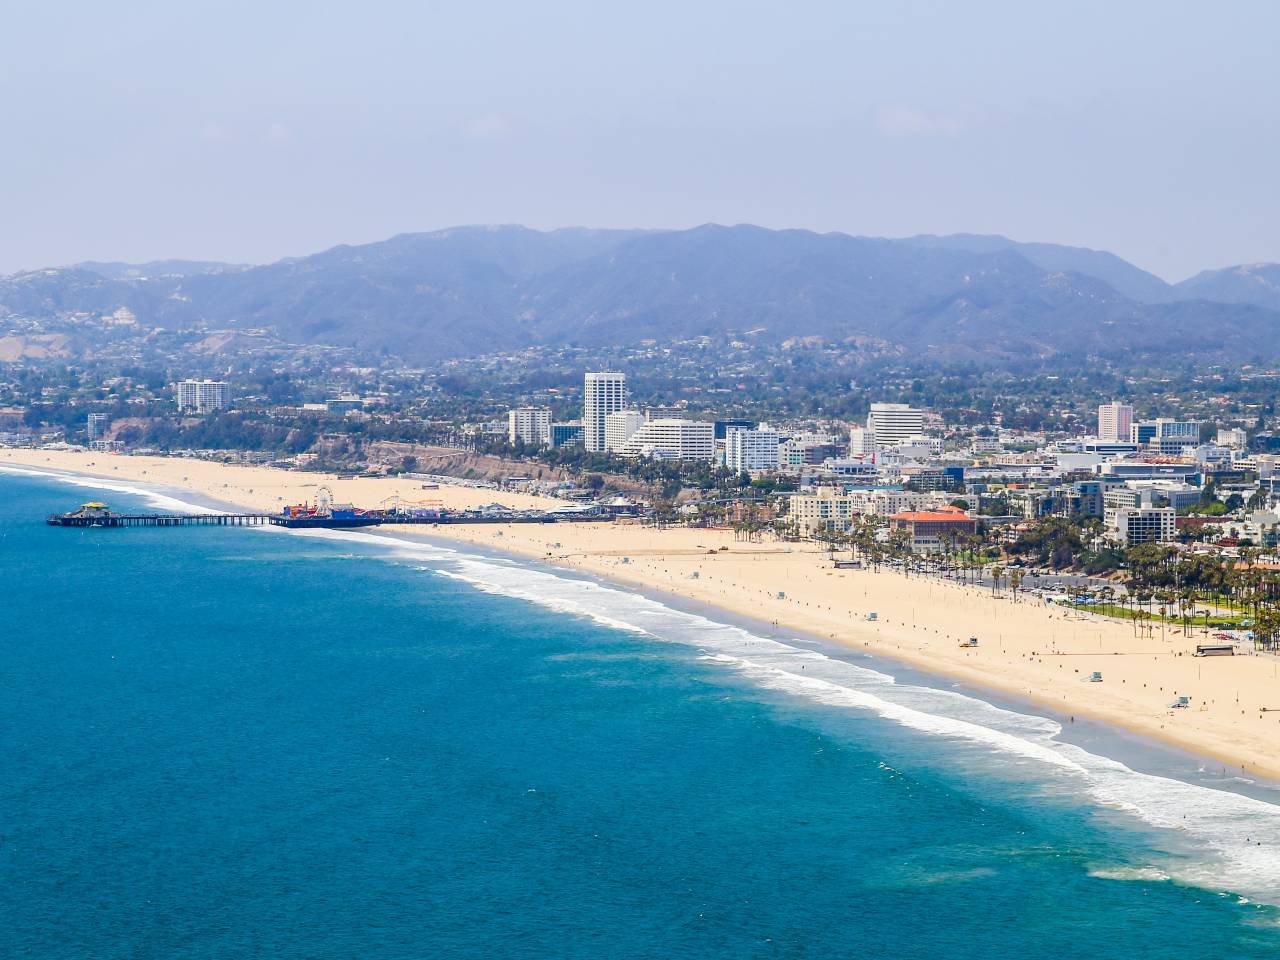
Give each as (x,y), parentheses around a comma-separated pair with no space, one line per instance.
(245,742)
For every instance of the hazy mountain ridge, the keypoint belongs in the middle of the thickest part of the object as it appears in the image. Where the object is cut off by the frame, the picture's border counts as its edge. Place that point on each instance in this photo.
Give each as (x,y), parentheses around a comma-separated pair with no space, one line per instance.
(472,290)
(113,270)
(1256,283)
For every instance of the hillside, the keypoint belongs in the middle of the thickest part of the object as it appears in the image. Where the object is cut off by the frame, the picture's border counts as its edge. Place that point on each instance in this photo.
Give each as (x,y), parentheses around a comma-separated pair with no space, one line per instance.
(473,290)
(1255,283)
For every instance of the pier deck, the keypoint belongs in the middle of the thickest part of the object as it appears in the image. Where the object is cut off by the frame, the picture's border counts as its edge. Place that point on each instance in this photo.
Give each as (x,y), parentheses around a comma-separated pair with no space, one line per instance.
(160,520)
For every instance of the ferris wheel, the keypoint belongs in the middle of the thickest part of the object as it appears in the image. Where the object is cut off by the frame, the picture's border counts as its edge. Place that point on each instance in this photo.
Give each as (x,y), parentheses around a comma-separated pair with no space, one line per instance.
(324,501)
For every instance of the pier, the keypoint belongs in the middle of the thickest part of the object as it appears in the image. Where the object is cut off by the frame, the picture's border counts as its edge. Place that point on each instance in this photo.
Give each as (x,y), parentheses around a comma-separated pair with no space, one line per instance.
(160,520)
(97,514)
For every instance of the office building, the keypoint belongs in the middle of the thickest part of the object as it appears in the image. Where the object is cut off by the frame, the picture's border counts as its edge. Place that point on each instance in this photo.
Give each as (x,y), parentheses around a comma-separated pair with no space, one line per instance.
(345,403)
(203,396)
(1133,525)
(568,434)
(602,394)
(1108,448)
(724,426)
(751,451)
(807,449)
(619,427)
(891,422)
(1233,438)
(1085,498)
(862,442)
(1114,421)
(530,426)
(1165,436)
(669,438)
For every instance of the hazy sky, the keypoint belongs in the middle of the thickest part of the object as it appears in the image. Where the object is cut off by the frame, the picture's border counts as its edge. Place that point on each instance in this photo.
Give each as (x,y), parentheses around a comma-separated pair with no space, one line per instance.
(252,131)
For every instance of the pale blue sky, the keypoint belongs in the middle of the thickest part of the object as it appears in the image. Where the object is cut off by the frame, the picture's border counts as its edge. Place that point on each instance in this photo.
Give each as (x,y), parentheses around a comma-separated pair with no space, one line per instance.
(252,131)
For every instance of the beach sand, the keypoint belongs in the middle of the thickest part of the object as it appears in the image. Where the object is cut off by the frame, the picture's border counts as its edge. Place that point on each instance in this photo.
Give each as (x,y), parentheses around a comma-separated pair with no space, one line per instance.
(1027,649)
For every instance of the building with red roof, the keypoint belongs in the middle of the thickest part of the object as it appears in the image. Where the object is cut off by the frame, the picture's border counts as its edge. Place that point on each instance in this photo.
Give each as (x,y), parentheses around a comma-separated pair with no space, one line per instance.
(932,530)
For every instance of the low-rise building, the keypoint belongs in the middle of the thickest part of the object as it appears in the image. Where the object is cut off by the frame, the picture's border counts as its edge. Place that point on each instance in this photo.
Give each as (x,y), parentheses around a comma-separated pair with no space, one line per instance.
(1133,525)
(826,510)
(933,531)
(886,501)
(1233,438)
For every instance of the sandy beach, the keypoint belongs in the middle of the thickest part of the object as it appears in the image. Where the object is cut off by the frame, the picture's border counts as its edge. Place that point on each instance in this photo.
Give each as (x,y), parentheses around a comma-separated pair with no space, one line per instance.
(1027,649)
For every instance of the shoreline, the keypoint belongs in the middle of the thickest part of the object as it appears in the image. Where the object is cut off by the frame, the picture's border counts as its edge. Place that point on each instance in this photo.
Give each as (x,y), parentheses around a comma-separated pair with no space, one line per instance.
(1036,657)
(1137,750)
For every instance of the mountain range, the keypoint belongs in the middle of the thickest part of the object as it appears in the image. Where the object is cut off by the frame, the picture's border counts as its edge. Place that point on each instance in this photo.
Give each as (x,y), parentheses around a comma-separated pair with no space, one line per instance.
(475,290)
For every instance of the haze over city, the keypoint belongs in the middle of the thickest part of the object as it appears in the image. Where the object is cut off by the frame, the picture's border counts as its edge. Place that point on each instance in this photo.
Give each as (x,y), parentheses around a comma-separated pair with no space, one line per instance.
(245,133)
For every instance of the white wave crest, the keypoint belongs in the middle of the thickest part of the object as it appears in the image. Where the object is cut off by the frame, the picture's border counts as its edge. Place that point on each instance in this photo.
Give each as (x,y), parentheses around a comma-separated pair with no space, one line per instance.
(150,495)
(1237,837)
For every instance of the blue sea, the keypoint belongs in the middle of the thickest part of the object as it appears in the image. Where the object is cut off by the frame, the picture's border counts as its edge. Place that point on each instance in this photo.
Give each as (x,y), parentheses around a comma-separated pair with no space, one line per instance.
(244,742)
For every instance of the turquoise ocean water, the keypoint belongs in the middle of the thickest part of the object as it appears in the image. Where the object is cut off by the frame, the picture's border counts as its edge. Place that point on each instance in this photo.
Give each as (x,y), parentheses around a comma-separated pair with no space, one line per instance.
(253,743)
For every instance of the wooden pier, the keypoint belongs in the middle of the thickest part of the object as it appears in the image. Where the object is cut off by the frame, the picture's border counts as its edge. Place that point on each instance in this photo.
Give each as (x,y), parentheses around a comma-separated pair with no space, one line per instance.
(98,514)
(160,520)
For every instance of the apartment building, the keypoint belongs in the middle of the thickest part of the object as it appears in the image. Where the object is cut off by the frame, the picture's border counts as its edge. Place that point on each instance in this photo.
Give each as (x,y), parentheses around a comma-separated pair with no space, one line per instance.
(203,396)
(529,425)
(827,510)
(1114,422)
(751,451)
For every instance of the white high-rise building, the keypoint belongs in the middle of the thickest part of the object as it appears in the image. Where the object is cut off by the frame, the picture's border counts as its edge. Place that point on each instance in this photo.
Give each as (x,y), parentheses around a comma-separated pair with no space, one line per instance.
(1114,421)
(669,438)
(619,427)
(96,425)
(529,425)
(891,422)
(752,451)
(602,394)
(862,442)
(203,396)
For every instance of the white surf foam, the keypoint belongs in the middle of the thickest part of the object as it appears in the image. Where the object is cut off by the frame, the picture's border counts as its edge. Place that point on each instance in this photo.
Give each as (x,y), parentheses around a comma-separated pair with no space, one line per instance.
(150,495)
(1235,838)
